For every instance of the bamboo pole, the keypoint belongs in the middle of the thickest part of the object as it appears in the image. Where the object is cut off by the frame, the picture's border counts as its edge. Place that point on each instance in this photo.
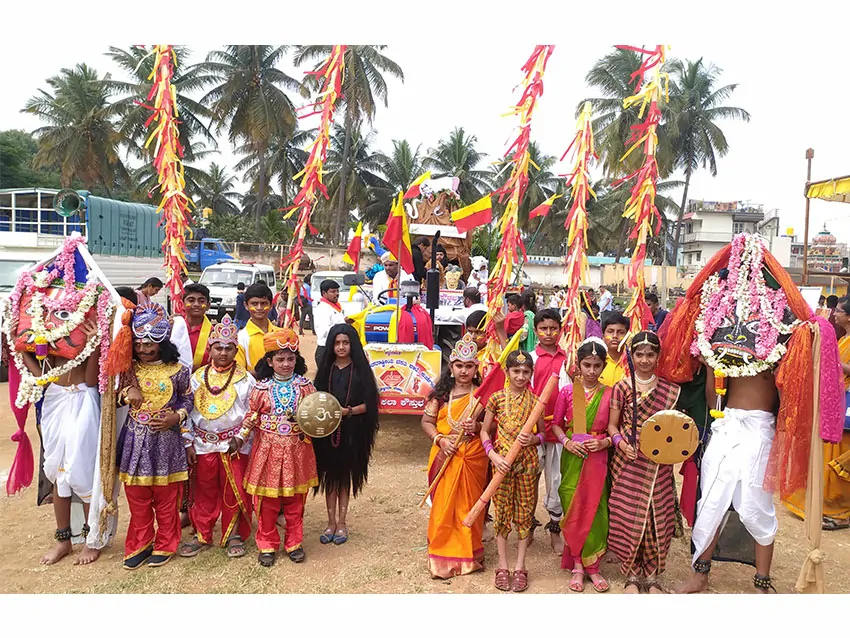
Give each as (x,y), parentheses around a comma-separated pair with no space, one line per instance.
(498,476)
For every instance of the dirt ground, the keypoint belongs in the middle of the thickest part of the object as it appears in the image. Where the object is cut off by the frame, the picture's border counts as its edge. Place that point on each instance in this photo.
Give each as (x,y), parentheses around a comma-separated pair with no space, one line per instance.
(385,552)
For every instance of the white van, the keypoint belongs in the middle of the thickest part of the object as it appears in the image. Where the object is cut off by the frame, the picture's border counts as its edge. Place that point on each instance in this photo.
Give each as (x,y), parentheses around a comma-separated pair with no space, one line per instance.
(222,279)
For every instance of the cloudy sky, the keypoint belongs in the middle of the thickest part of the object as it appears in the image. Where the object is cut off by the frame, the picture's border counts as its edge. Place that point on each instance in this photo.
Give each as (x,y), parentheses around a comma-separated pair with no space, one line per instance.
(462,62)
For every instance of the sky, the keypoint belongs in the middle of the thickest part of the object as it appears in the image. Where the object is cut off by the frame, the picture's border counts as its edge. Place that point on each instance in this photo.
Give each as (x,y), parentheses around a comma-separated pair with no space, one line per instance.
(462,63)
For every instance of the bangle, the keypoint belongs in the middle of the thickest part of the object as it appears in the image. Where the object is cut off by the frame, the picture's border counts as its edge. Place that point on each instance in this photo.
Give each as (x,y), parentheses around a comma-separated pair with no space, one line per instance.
(615,440)
(541,437)
(488,446)
(563,440)
(437,438)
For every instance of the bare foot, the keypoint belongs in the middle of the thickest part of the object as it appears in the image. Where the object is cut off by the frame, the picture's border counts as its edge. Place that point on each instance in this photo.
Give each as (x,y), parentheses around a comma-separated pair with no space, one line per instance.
(655,588)
(695,584)
(88,555)
(60,550)
(184,520)
(557,544)
(632,588)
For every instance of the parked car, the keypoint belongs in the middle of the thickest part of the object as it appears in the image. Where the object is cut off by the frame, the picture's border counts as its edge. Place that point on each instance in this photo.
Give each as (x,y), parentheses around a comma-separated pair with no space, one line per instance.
(351,305)
(222,279)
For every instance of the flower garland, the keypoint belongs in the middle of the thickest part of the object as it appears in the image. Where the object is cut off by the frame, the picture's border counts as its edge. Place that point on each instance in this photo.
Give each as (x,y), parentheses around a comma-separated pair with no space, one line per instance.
(739,293)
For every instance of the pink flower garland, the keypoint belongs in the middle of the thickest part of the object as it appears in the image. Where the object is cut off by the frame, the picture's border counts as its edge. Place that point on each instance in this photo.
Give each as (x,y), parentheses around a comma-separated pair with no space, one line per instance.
(104,308)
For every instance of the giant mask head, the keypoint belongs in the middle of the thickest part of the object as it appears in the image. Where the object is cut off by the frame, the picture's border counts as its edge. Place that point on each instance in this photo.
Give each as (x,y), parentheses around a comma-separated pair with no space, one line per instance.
(744,321)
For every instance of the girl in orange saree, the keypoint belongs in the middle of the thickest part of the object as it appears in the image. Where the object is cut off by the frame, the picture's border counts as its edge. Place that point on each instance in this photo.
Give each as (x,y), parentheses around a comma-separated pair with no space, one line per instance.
(453,549)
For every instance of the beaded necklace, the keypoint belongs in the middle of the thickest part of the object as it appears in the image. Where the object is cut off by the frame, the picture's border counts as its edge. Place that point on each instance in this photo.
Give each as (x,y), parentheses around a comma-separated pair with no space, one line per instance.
(284,395)
(455,425)
(215,391)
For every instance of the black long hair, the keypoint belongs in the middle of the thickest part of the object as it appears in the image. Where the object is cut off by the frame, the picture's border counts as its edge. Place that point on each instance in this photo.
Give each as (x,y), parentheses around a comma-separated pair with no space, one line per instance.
(589,349)
(446,383)
(168,352)
(264,369)
(363,379)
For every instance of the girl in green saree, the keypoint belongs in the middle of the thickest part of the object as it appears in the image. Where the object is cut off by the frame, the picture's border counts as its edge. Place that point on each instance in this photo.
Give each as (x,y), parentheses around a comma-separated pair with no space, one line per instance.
(584,467)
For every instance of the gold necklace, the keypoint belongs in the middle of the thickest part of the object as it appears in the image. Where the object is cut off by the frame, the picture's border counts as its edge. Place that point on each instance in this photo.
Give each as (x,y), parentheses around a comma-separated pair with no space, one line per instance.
(512,404)
(455,425)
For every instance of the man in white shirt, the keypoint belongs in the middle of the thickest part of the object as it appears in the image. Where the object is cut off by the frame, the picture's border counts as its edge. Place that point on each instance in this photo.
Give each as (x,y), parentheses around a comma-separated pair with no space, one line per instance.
(389,278)
(471,303)
(606,300)
(326,315)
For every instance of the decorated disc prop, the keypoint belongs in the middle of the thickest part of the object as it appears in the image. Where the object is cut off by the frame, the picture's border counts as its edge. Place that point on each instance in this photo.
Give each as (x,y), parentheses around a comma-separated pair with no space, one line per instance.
(319,415)
(669,437)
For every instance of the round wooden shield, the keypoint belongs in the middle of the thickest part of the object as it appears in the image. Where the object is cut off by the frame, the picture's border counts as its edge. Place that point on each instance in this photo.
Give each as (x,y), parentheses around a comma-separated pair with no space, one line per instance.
(669,437)
(319,415)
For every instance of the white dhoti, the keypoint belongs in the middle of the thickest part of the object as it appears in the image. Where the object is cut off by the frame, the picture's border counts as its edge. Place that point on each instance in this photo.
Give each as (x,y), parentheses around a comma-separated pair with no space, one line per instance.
(733,469)
(70,430)
(99,538)
(549,455)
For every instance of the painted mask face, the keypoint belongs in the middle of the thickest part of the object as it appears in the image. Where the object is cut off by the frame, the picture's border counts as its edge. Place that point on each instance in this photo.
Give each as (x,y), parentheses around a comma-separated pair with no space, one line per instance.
(735,339)
(66,347)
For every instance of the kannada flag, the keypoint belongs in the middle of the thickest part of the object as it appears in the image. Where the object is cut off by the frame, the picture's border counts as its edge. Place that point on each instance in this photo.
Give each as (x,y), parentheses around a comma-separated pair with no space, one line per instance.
(543,209)
(413,191)
(474,215)
(397,237)
(352,255)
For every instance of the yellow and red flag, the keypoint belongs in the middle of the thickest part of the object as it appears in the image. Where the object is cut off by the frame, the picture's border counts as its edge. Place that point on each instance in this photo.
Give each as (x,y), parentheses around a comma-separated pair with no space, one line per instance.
(352,255)
(543,209)
(474,215)
(397,236)
(413,191)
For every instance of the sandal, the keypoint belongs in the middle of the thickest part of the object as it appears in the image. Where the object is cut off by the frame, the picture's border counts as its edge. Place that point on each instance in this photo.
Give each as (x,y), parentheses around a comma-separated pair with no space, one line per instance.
(235,547)
(577,581)
(327,536)
(192,548)
(632,582)
(266,559)
(599,583)
(831,525)
(520,580)
(341,536)
(653,584)
(503,580)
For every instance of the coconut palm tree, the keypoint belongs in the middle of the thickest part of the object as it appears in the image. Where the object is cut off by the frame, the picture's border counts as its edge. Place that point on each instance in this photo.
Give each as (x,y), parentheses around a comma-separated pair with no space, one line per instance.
(81,135)
(456,156)
(191,126)
(363,84)
(399,169)
(285,158)
(542,184)
(219,194)
(249,100)
(697,103)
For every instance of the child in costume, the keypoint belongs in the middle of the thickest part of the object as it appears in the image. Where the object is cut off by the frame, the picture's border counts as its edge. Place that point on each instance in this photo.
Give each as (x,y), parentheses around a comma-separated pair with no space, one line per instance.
(642,503)
(221,390)
(584,468)
(282,466)
(453,548)
(507,412)
(152,461)
(342,459)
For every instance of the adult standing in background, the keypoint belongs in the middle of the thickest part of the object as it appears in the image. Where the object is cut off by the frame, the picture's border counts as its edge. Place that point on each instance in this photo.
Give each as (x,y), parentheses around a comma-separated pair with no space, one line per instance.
(242,314)
(147,290)
(305,301)
(327,314)
(659,314)
(606,300)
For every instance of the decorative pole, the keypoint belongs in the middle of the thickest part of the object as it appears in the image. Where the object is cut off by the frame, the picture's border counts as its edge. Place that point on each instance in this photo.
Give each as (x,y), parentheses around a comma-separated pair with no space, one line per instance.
(168,162)
(313,173)
(514,190)
(640,207)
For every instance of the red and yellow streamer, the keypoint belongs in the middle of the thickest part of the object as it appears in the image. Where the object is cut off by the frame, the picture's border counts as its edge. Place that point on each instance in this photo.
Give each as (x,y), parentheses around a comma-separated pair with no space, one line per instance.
(312,177)
(168,162)
(514,189)
(578,181)
(640,207)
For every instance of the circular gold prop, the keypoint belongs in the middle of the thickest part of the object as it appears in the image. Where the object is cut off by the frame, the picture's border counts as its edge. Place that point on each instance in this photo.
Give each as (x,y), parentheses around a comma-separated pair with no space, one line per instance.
(319,415)
(669,437)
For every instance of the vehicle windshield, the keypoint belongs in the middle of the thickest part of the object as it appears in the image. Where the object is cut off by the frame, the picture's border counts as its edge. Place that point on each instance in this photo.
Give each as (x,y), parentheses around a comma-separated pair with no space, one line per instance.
(10,271)
(316,286)
(226,277)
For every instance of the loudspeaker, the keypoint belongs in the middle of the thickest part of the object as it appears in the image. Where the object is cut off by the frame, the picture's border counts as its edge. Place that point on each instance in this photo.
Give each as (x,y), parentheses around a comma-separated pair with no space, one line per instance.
(432,289)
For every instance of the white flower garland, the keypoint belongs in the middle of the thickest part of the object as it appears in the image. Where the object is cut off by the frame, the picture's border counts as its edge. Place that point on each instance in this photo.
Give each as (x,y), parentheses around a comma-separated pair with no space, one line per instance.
(36,311)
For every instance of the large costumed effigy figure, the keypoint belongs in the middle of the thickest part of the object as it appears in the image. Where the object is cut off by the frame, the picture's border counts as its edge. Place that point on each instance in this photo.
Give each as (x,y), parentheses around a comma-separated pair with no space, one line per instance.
(64,326)
(769,368)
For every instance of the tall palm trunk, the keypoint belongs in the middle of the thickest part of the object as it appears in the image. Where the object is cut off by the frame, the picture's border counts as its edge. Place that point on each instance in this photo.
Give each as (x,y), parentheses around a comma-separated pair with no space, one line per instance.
(681,214)
(621,244)
(261,189)
(342,209)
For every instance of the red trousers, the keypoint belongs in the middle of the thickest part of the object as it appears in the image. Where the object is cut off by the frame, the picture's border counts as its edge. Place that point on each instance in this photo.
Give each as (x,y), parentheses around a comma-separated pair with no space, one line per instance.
(268,509)
(218,491)
(148,503)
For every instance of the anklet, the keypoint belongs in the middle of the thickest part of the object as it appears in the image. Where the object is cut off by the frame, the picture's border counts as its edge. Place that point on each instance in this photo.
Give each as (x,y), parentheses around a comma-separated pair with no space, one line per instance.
(63,535)
(763,582)
(702,566)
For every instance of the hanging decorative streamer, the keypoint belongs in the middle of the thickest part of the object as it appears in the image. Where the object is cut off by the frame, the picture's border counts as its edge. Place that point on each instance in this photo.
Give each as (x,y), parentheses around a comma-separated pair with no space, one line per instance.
(576,260)
(640,207)
(168,162)
(312,175)
(514,190)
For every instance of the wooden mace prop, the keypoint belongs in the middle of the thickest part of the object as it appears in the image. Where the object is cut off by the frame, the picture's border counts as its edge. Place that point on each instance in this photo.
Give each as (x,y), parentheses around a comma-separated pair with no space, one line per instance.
(498,476)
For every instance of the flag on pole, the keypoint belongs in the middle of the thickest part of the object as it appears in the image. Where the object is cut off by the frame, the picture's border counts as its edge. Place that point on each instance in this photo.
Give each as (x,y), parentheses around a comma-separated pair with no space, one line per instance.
(413,191)
(397,237)
(495,379)
(352,255)
(543,209)
(474,215)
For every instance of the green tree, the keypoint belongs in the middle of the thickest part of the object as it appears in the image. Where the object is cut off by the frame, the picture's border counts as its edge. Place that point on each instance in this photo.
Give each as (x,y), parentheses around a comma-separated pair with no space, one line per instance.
(400,169)
(285,158)
(219,194)
(363,85)
(192,115)
(17,156)
(457,156)
(231,227)
(249,100)
(697,103)
(81,135)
